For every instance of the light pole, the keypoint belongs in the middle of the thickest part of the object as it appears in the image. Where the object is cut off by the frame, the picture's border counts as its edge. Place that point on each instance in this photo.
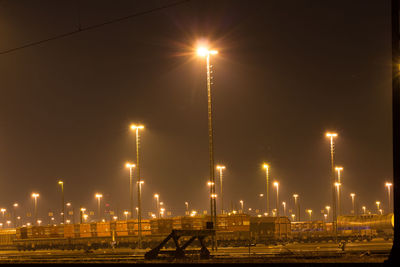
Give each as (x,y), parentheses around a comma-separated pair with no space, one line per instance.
(126,214)
(388,185)
(284,208)
(276,184)
(327,210)
(131,166)
(98,196)
(338,194)
(339,206)
(364,209)
(15,205)
(157,197)
(241,205)
(61,183)
(137,208)
(261,195)
(35,196)
(332,152)
(293,216)
(353,203)
(377,204)
(187,208)
(207,53)
(3,210)
(309,213)
(82,211)
(221,168)
(137,127)
(296,203)
(266,167)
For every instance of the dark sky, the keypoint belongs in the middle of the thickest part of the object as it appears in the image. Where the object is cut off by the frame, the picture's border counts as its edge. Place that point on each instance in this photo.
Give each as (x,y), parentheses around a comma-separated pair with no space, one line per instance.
(286,72)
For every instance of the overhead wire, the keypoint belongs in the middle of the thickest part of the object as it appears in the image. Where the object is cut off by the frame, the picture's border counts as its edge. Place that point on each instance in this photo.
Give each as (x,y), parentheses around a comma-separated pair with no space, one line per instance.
(80,29)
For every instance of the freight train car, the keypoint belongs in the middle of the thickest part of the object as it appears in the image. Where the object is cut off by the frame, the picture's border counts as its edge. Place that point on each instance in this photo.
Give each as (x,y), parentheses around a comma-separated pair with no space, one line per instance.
(7,237)
(232,230)
(360,227)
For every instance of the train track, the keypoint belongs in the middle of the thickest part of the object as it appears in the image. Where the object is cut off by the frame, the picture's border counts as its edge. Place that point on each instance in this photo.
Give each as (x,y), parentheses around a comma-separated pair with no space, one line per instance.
(301,253)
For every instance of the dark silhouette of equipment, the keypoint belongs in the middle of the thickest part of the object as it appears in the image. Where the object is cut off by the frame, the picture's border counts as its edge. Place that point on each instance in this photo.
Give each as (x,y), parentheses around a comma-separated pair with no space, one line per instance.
(181,251)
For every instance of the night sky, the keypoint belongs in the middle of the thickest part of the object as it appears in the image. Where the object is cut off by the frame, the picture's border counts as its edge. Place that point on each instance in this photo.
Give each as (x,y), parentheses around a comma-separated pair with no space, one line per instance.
(286,73)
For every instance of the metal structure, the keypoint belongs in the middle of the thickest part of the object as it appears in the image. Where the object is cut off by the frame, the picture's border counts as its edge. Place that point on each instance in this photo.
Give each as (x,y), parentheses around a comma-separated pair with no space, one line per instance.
(332,152)
(179,252)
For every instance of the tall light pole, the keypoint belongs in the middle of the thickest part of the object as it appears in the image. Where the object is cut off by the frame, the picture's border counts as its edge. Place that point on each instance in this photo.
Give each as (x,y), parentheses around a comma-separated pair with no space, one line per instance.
(327,210)
(35,196)
(137,128)
(204,52)
(98,196)
(82,213)
(377,204)
(157,197)
(241,206)
(388,185)
(338,195)
(140,192)
(187,208)
(284,208)
(364,209)
(276,184)
(339,206)
(309,213)
(332,183)
(131,166)
(126,214)
(3,210)
(353,203)
(61,183)
(15,205)
(266,167)
(296,203)
(221,168)
(261,195)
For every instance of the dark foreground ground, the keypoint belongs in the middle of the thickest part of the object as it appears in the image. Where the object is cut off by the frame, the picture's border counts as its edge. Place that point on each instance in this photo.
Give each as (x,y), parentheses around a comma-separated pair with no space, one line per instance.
(375,252)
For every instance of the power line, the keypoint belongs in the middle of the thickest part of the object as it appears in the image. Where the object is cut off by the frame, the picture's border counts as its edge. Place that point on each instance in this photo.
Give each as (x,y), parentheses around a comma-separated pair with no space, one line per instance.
(92,27)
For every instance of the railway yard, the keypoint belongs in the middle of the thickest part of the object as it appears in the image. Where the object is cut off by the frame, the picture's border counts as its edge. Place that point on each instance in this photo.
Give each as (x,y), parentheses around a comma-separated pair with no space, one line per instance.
(239,238)
(375,251)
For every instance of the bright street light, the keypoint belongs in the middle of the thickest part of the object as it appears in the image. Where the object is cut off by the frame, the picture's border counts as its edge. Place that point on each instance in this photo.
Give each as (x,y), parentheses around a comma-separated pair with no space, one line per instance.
(388,185)
(309,213)
(297,205)
(130,166)
(187,208)
(139,178)
(205,52)
(35,196)
(157,197)
(339,169)
(338,195)
(61,183)
(377,204)
(221,168)
(276,184)
(98,196)
(266,167)
(284,208)
(327,209)
(353,203)
(332,154)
